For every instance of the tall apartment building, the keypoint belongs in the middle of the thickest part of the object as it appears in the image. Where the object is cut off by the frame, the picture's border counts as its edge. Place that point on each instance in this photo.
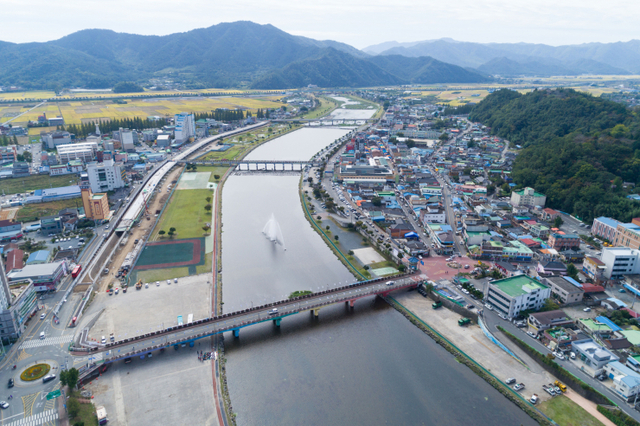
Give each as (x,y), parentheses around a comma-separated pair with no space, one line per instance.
(96,206)
(86,152)
(185,127)
(528,197)
(105,176)
(627,235)
(127,139)
(16,305)
(620,261)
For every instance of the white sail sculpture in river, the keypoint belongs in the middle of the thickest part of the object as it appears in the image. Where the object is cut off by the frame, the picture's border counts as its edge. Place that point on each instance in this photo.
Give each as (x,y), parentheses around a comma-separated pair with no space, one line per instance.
(273,232)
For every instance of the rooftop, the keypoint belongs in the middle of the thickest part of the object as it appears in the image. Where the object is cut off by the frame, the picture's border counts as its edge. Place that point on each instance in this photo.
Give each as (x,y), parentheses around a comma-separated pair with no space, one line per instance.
(518,285)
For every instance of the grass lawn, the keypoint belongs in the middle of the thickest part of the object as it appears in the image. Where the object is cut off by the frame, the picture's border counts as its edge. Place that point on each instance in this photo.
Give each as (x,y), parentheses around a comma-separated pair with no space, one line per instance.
(19,185)
(208,264)
(153,275)
(565,412)
(86,414)
(384,264)
(220,171)
(186,213)
(31,212)
(229,154)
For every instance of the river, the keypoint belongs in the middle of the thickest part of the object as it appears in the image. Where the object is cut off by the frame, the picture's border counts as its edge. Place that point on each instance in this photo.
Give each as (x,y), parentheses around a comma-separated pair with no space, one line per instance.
(366,366)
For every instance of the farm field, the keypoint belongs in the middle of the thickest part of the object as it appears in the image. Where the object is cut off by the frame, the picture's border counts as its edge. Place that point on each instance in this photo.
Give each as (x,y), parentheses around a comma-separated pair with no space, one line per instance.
(31,212)
(185,204)
(20,185)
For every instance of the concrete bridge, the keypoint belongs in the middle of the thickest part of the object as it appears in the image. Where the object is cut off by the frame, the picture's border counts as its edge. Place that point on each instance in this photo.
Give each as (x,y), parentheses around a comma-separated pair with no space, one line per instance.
(255,165)
(326,121)
(233,322)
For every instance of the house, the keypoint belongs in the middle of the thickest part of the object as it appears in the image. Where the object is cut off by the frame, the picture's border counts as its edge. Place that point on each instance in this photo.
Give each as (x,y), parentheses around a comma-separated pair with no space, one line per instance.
(592,357)
(399,230)
(507,269)
(563,289)
(546,267)
(593,268)
(541,321)
(626,382)
(549,214)
(512,295)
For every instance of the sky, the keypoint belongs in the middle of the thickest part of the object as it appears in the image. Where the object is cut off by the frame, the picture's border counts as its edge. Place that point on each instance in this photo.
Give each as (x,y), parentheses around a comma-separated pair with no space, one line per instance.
(359,23)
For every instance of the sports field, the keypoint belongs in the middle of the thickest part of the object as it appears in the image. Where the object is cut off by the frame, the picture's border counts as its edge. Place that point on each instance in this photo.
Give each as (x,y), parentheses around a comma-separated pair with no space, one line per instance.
(186,213)
(30,183)
(171,254)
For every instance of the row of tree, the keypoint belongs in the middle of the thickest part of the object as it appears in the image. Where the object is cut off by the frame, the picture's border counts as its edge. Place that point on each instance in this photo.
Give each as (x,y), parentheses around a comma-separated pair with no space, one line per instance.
(108,126)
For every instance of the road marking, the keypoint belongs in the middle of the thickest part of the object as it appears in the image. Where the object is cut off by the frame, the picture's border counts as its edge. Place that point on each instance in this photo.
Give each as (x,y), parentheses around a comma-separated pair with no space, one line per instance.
(27,402)
(23,355)
(36,420)
(36,343)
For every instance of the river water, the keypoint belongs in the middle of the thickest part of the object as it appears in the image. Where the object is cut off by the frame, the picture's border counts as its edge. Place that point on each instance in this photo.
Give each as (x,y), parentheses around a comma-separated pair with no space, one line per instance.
(361,367)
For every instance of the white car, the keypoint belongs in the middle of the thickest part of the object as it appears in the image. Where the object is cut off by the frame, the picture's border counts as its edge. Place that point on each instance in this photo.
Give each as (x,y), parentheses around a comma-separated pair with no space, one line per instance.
(587,309)
(559,355)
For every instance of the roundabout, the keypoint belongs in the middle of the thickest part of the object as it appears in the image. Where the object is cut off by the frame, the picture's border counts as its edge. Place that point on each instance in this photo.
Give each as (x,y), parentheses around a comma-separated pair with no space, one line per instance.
(35,372)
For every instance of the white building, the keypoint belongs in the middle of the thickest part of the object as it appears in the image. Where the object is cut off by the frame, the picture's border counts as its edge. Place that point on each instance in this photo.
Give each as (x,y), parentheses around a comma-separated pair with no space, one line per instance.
(432,215)
(512,295)
(593,356)
(619,261)
(528,197)
(85,152)
(185,127)
(626,382)
(105,176)
(126,138)
(52,139)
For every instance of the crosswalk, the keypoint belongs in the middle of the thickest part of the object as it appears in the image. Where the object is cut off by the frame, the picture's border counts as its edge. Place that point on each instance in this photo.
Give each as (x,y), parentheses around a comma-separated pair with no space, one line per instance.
(36,419)
(49,341)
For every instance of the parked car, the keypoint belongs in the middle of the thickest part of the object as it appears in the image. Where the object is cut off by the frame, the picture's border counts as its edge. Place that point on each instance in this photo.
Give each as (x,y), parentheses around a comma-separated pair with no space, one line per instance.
(519,387)
(587,309)
(531,334)
(510,381)
(559,355)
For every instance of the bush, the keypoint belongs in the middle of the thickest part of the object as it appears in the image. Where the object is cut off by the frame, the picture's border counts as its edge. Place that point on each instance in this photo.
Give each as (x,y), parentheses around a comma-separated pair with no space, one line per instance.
(73,407)
(617,417)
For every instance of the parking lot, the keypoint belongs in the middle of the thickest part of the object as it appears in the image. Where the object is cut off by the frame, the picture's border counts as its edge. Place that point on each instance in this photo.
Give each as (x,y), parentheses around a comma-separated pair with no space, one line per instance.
(171,388)
(152,308)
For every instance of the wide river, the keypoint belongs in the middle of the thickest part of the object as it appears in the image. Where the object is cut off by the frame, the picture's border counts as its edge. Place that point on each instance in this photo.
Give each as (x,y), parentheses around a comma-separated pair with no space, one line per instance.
(367,366)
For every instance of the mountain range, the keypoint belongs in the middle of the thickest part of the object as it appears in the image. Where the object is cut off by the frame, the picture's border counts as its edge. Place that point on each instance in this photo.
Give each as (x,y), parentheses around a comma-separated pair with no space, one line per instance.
(517,59)
(234,54)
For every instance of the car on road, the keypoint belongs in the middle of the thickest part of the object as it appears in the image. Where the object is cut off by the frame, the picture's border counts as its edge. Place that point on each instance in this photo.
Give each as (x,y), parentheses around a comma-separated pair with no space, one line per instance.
(43,315)
(11,383)
(503,316)
(531,334)
(470,306)
(274,311)
(559,355)
(488,306)
(4,404)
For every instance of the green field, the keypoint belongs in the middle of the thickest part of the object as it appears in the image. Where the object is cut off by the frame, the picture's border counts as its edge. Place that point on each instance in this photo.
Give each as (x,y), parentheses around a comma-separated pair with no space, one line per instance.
(326,106)
(220,171)
(153,275)
(31,212)
(565,412)
(186,213)
(31,183)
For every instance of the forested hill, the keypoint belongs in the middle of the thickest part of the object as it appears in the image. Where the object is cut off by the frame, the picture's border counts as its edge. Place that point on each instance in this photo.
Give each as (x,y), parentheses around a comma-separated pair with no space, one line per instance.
(578,149)
(544,114)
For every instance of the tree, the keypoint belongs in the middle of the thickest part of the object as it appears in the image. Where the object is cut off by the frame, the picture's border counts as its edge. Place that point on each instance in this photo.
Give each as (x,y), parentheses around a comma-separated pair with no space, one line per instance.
(208,199)
(444,137)
(376,201)
(172,229)
(208,207)
(216,177)
(206,228)
(557,222)
(73,407)
(328,227)
(428,288)
(127,87)
(69,377)
(572,271)
(161,232)
(335,237)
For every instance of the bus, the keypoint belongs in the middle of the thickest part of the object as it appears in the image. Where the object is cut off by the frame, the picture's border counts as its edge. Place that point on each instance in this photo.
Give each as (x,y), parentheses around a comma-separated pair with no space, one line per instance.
(179,319)
(76,271)
(190,319)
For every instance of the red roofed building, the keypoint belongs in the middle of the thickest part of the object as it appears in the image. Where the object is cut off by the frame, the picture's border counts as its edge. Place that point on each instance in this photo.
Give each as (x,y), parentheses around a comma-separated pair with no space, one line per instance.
(15,260)
(530,243)
(590,288)
(633,314)
(550,214)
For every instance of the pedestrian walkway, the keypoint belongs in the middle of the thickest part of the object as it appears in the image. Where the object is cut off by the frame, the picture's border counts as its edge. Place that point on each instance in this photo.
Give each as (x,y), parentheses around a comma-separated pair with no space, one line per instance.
(36,419)
(49,341)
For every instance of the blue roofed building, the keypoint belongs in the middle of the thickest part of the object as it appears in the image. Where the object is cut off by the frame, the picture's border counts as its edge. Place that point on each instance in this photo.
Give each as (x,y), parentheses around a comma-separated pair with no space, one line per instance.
(626,382)
(39,257)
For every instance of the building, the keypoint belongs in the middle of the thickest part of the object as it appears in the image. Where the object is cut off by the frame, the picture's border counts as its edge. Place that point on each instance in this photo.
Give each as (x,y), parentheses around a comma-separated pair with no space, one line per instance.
(592,356)
(50,225)
(512,295)
(20,169)
(10,230)
(105,176)
(620,261)
(127,139)
(605,227)
(564,290)
(39,257)
(540,321)
(50,140)
(185,127)
(56,121)
(593,268)
(627,235)
(549,214)
(560,242)
(432,214)
(551,267)
(85,152)
(163,141)
(528,197)
(17,303)
(626,382)
(45,277)
(15,260)
(8,154)
(96,206)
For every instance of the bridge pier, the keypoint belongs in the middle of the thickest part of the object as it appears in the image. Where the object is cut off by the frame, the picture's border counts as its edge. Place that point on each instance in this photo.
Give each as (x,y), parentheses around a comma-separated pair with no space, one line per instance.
(277,322)
(351,303)
(315,312)
(236,332)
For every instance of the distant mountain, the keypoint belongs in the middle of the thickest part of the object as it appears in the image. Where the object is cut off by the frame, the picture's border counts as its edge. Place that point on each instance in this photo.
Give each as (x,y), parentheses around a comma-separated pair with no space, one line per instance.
(426,70)
(599,58)
(224,55)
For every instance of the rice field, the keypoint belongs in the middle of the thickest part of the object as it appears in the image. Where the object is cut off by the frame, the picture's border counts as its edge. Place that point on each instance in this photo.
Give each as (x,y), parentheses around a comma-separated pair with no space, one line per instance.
(87,111)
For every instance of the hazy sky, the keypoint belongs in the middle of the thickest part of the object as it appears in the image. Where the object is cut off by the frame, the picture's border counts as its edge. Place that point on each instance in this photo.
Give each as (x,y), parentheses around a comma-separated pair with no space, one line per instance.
(356,22)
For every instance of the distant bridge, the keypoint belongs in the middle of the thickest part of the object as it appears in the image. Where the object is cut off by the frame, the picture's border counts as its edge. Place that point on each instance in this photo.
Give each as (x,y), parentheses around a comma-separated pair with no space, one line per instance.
(275,312)
(255,165)
(326,121)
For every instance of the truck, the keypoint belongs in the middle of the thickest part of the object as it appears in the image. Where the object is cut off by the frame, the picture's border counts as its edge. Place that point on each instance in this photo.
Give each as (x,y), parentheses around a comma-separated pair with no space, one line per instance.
(562,386)
(101,413)
(436,305)
(139,284)
(534,399)
(464,321)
